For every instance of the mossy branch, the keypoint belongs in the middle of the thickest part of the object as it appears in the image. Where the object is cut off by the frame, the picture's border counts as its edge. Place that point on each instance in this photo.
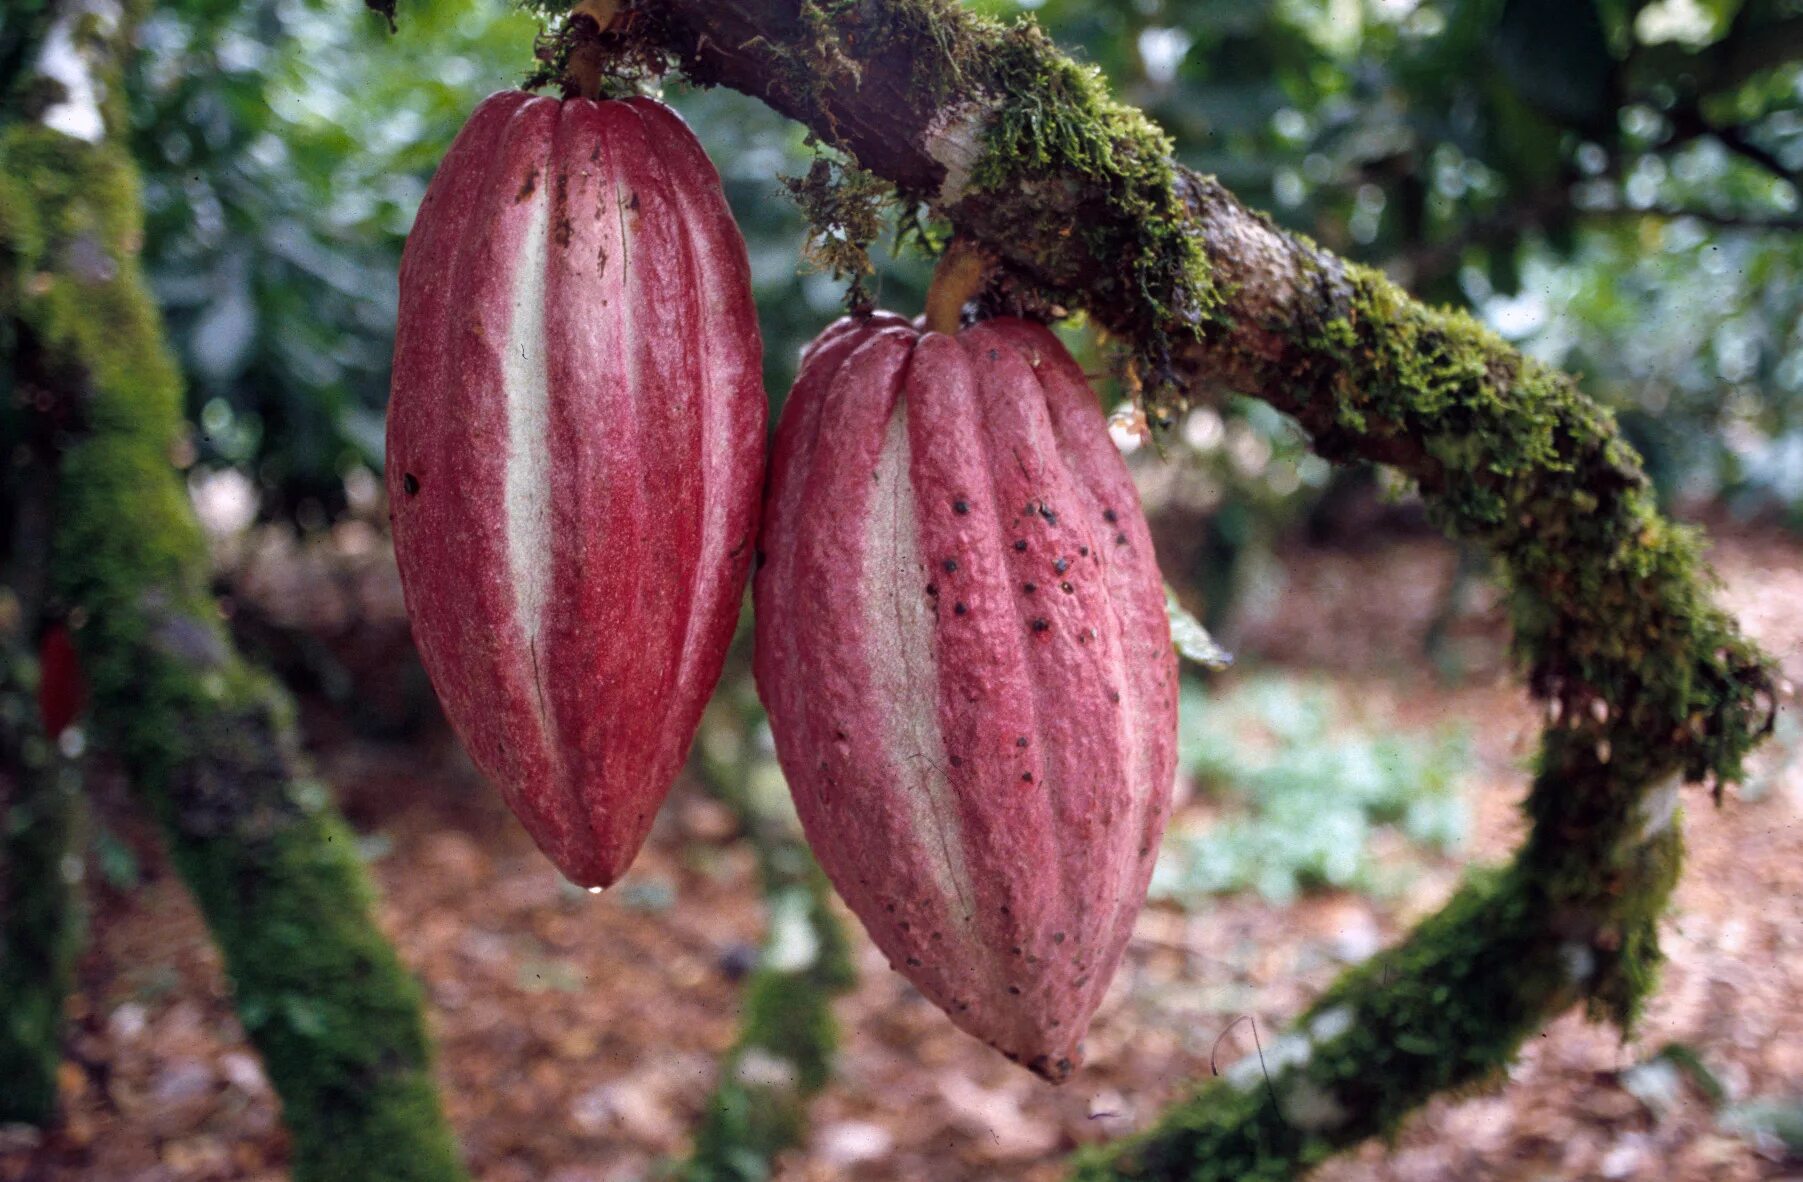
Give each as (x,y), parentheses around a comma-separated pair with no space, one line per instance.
(207,742)
(1647,681)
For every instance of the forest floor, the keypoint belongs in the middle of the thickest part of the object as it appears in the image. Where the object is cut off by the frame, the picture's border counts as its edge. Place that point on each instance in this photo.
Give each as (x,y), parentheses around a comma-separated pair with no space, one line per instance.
(579,1037)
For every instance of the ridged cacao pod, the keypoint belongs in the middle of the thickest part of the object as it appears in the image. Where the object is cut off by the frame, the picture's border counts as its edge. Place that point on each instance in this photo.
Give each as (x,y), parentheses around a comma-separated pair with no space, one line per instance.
(963,648)
(575,455)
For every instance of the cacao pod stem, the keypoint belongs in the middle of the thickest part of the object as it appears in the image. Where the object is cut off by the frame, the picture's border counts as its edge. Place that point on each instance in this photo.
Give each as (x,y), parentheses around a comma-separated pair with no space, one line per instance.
(583,69)
(960,276)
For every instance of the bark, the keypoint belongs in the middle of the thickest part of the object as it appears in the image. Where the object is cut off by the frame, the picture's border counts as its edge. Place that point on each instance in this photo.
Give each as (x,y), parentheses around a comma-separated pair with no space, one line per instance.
(1647,683)
(207,742)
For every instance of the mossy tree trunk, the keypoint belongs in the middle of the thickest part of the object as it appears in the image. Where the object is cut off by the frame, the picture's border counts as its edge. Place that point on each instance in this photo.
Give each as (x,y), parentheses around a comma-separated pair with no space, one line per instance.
(207,742)
(1648,684)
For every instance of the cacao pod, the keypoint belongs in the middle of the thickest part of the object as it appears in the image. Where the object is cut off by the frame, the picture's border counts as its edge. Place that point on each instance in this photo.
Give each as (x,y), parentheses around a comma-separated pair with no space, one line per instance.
(963,648)
(575,456)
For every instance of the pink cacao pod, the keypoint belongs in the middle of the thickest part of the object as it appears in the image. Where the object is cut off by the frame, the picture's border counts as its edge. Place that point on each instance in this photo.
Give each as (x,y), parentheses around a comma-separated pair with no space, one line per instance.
(575,455)
(963,648)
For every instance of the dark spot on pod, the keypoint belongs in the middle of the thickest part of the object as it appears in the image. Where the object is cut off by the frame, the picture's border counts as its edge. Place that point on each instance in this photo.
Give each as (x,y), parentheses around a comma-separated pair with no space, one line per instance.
(938,935)
(1057,1022)
(1020,545)
(410,484)
(1114,695)
(1066,588)
(1080,982)
(527,188)
(1064,1065)
(995,355)
(960,507)
(1120,539)
(1062,565)
(1040,625)
(762,558)
(933,589)
(841,736)
(1082,551)
(1005,910)
(1029,588)
(959,608)
(957,761)
(913,962)
(1021,742)
(1014,989)
(1057,937)
(951,566)
(1144,850)
(889,907)
(1015,951)
(905,926)
(1109,516)
(633,202)
(1051,517)
(960,1006)
(1030,508)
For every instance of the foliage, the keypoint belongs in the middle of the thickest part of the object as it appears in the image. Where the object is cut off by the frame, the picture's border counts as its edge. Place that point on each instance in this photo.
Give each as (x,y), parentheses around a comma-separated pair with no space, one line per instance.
(285,147)
(1304,794)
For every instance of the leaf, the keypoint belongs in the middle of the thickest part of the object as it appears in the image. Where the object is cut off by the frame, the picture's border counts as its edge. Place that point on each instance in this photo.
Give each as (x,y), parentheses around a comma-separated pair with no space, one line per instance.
(1192,639)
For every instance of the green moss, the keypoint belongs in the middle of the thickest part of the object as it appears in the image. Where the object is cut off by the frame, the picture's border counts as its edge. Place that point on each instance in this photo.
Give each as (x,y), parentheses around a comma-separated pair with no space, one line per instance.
(1057,122)
(844,207)
(205,740)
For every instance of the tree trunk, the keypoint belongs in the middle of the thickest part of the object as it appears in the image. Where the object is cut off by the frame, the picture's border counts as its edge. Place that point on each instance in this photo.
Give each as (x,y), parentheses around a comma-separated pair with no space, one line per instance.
(208,743)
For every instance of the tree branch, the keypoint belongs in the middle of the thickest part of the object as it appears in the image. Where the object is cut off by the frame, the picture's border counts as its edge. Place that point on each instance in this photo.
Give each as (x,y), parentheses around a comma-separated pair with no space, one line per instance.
(1649,683)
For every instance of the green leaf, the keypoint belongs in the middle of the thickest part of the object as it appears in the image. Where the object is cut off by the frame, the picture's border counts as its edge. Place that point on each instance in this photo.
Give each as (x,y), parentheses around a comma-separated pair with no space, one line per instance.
(1192,639)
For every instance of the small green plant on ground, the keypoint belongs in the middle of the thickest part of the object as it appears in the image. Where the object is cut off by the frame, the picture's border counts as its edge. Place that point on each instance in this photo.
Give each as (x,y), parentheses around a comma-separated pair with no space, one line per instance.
(1303,793)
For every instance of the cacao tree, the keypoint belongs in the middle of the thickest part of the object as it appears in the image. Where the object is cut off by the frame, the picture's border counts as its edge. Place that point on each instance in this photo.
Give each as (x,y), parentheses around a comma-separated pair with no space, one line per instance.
(990,127)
